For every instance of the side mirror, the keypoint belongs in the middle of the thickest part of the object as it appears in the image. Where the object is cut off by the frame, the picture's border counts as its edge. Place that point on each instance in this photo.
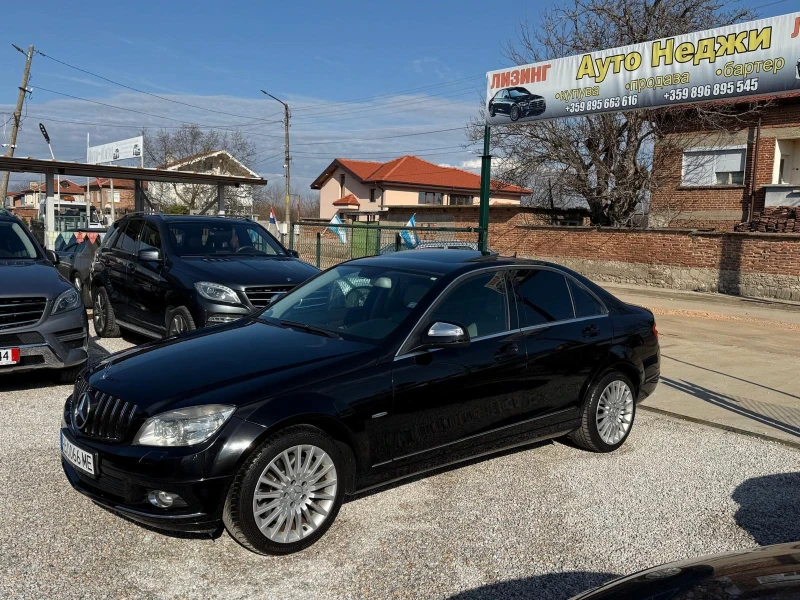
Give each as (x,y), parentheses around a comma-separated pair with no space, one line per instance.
(294,253)
(52,257)
(444,335)
(149,255)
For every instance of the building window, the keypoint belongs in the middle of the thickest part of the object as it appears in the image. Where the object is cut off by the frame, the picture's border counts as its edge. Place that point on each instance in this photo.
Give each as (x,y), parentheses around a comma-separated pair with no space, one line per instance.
(459,200)
(372,195)
(435,198)
(714,166)
(341,185)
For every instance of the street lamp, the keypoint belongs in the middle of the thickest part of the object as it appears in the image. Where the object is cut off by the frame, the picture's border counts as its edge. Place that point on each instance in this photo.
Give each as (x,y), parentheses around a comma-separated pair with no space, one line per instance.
(47,139)
(287,217)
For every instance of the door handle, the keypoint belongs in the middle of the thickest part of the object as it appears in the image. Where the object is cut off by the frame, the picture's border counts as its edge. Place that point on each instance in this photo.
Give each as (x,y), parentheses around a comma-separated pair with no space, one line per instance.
(590,331)
(507,352)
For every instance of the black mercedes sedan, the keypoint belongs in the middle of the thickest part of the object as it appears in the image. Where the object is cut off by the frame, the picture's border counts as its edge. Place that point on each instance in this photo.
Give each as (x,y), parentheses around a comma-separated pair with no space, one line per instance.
(516,102)
(371,371)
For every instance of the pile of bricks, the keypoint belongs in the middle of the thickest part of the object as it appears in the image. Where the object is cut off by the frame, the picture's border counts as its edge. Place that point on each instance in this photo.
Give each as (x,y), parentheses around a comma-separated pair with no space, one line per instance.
(773,220)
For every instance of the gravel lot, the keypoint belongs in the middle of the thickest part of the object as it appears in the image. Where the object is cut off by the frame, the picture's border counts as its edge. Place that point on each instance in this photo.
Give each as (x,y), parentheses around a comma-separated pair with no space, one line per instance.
(542,523)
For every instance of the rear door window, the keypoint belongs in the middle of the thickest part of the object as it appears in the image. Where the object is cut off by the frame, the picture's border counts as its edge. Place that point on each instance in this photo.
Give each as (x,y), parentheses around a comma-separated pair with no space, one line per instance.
(586,305)
(543,297)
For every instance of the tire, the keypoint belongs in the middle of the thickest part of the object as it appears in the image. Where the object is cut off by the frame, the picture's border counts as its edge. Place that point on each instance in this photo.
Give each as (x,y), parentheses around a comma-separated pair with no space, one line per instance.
(179,321)
(612,395)
(105,323)
(492,112)
(514,113)
(69,375)
(241,506)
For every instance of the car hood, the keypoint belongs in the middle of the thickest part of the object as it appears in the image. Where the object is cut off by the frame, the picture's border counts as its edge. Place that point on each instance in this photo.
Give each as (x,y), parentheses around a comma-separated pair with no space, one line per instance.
(236,364)
(30,278)
(244,271)
(741,575)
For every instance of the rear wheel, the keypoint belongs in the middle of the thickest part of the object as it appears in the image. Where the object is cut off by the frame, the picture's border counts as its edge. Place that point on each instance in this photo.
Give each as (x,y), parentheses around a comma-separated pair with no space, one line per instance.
(287,494)
(608,414)
(179,321)
(105,323)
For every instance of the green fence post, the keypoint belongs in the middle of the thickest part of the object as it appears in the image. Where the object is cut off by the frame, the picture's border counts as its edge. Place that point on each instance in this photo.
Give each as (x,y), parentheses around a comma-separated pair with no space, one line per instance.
(319,247)
(397,242)
(486,178)
(377,241)
(291,236)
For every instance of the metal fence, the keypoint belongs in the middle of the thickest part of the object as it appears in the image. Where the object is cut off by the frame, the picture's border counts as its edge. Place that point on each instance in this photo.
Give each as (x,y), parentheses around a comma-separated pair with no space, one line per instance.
(325,245)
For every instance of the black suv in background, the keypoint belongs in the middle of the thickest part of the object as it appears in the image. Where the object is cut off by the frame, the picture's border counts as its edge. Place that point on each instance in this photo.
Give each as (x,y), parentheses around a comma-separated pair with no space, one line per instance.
(43,323)
(165,275)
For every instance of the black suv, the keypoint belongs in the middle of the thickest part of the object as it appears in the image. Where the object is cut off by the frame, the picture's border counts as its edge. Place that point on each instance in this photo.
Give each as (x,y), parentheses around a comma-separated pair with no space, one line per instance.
(165,275)
(43,323)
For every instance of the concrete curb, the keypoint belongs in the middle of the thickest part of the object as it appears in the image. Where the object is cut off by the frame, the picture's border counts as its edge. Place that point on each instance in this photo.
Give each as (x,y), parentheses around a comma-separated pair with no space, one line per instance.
(761,436)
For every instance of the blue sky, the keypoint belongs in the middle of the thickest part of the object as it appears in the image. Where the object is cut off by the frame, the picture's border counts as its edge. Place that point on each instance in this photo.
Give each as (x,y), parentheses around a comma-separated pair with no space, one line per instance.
(314,55)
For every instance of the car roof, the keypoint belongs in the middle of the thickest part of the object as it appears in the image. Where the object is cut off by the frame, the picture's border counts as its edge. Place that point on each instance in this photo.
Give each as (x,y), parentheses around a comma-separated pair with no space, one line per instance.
(444,260)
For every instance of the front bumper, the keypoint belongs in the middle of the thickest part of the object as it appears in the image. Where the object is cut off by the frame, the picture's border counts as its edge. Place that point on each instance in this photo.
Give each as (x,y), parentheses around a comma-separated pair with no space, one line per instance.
(206,312)
(201,476)
(56,342)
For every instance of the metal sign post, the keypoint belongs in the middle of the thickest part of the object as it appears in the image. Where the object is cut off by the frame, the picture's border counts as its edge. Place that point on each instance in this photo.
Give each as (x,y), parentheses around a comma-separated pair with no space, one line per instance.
(486,179)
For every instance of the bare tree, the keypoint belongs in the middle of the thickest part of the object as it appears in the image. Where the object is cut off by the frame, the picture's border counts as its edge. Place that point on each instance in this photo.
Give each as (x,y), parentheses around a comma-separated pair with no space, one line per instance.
(304,204)
(163,147)
(605,159)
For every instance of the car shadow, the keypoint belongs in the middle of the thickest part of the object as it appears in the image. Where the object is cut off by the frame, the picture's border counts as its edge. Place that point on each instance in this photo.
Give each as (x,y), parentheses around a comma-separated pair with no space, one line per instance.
(769,508)
(784,418)
(555,586)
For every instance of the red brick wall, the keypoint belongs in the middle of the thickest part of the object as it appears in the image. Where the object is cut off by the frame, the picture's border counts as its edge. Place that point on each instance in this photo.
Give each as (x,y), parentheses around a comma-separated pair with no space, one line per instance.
(770,254)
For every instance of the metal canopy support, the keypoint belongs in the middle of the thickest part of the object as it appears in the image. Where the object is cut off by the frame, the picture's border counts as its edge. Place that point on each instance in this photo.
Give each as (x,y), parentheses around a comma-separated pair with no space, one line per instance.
(50,211)
(138,196)
(221,198)
(486,179)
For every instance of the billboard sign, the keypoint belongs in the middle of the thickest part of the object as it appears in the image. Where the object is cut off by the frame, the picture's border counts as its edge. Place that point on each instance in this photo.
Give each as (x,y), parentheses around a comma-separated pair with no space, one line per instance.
(106,153)
(755,58)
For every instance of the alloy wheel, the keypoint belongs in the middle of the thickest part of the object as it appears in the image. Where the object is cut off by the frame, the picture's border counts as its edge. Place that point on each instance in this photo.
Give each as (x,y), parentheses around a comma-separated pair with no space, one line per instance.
(295,494)
(77,283)
(178,325)
(614,412)
(99,313)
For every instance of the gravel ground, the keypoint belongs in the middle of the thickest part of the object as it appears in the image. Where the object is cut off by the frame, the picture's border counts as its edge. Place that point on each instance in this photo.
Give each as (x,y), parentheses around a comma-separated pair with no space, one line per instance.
(545,522)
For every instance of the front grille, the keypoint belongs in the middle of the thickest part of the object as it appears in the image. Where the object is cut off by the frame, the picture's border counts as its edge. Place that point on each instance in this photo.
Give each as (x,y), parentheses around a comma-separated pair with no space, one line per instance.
(19,312)
(261,296)
(109,418)
(21,339)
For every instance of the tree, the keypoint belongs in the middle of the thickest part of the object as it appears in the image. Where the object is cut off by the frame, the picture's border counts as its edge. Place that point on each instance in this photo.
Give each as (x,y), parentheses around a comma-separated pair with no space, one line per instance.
(273,196)
(606,159)
(164,147)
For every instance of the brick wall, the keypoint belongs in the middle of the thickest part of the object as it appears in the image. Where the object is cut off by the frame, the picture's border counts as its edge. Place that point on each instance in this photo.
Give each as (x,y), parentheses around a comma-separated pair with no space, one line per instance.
(751,264)
(719,207)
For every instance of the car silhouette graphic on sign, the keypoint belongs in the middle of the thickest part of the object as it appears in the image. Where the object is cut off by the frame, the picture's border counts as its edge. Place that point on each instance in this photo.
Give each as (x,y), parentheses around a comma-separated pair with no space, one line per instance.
(516,102)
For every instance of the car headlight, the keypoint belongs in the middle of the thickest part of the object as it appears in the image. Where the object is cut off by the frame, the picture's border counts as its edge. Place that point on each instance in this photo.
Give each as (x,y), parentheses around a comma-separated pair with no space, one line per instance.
(184,426)
(68,300)
(217,292)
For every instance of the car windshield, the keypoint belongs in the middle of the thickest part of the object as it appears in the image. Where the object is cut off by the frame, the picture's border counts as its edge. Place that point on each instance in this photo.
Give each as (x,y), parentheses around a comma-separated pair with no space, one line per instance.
(359,301)
(205,238)
(517,93)
(14,242)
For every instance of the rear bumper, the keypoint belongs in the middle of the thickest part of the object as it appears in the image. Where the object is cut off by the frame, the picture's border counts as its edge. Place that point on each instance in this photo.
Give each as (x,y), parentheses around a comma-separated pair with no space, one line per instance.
(60,342)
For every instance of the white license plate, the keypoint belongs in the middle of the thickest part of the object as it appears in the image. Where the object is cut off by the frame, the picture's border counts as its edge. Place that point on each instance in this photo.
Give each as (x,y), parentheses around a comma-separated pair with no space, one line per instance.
(77,457)
(9,356)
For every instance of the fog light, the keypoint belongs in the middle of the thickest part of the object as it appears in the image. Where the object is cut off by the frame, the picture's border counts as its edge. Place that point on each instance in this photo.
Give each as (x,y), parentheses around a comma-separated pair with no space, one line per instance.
(163,499)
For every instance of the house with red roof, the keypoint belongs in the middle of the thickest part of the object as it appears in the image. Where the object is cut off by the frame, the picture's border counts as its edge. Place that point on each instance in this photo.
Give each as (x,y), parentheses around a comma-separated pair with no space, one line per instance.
(30,197)
(361,190)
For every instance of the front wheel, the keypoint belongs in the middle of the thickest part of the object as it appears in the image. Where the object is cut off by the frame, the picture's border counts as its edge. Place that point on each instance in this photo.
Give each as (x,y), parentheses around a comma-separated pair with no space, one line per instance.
(608,414)
(287,494)
(515,112)
(179,321)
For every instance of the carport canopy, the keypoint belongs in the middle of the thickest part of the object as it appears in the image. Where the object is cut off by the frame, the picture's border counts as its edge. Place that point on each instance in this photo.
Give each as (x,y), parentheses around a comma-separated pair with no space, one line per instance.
(51,168)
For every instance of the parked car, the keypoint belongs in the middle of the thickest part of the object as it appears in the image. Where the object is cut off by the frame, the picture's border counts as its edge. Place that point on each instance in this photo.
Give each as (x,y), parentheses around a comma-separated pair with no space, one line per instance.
(516,102)
(165,275)
(428,244)
(767,573)
(264,424)
(75,260)
(43,323)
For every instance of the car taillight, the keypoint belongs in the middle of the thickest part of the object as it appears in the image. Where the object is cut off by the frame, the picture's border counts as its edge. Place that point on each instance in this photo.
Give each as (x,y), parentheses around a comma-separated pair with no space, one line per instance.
(655,330)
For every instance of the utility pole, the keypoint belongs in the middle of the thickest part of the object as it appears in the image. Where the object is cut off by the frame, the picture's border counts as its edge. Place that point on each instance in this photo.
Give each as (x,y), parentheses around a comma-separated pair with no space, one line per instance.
(287,157)
(12,142)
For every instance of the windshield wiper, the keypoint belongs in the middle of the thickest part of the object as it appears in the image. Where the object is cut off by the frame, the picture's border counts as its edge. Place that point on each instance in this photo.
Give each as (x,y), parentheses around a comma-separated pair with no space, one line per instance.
(311,329)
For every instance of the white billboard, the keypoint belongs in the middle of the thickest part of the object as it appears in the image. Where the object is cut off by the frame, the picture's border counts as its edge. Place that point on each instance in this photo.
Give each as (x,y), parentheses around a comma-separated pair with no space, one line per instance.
(106,153)
(755,58)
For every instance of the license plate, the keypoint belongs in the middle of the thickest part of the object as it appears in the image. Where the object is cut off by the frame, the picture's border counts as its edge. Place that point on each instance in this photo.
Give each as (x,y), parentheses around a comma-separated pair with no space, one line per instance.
(77,457)
(9,356)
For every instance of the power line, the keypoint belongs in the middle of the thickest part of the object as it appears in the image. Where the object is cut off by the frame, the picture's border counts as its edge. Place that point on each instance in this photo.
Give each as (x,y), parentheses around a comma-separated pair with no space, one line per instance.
(116,125)
(128,87)
(385,137)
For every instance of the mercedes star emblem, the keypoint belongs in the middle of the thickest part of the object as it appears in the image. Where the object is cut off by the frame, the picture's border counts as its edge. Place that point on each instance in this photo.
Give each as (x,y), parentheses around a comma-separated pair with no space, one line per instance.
(81,414)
